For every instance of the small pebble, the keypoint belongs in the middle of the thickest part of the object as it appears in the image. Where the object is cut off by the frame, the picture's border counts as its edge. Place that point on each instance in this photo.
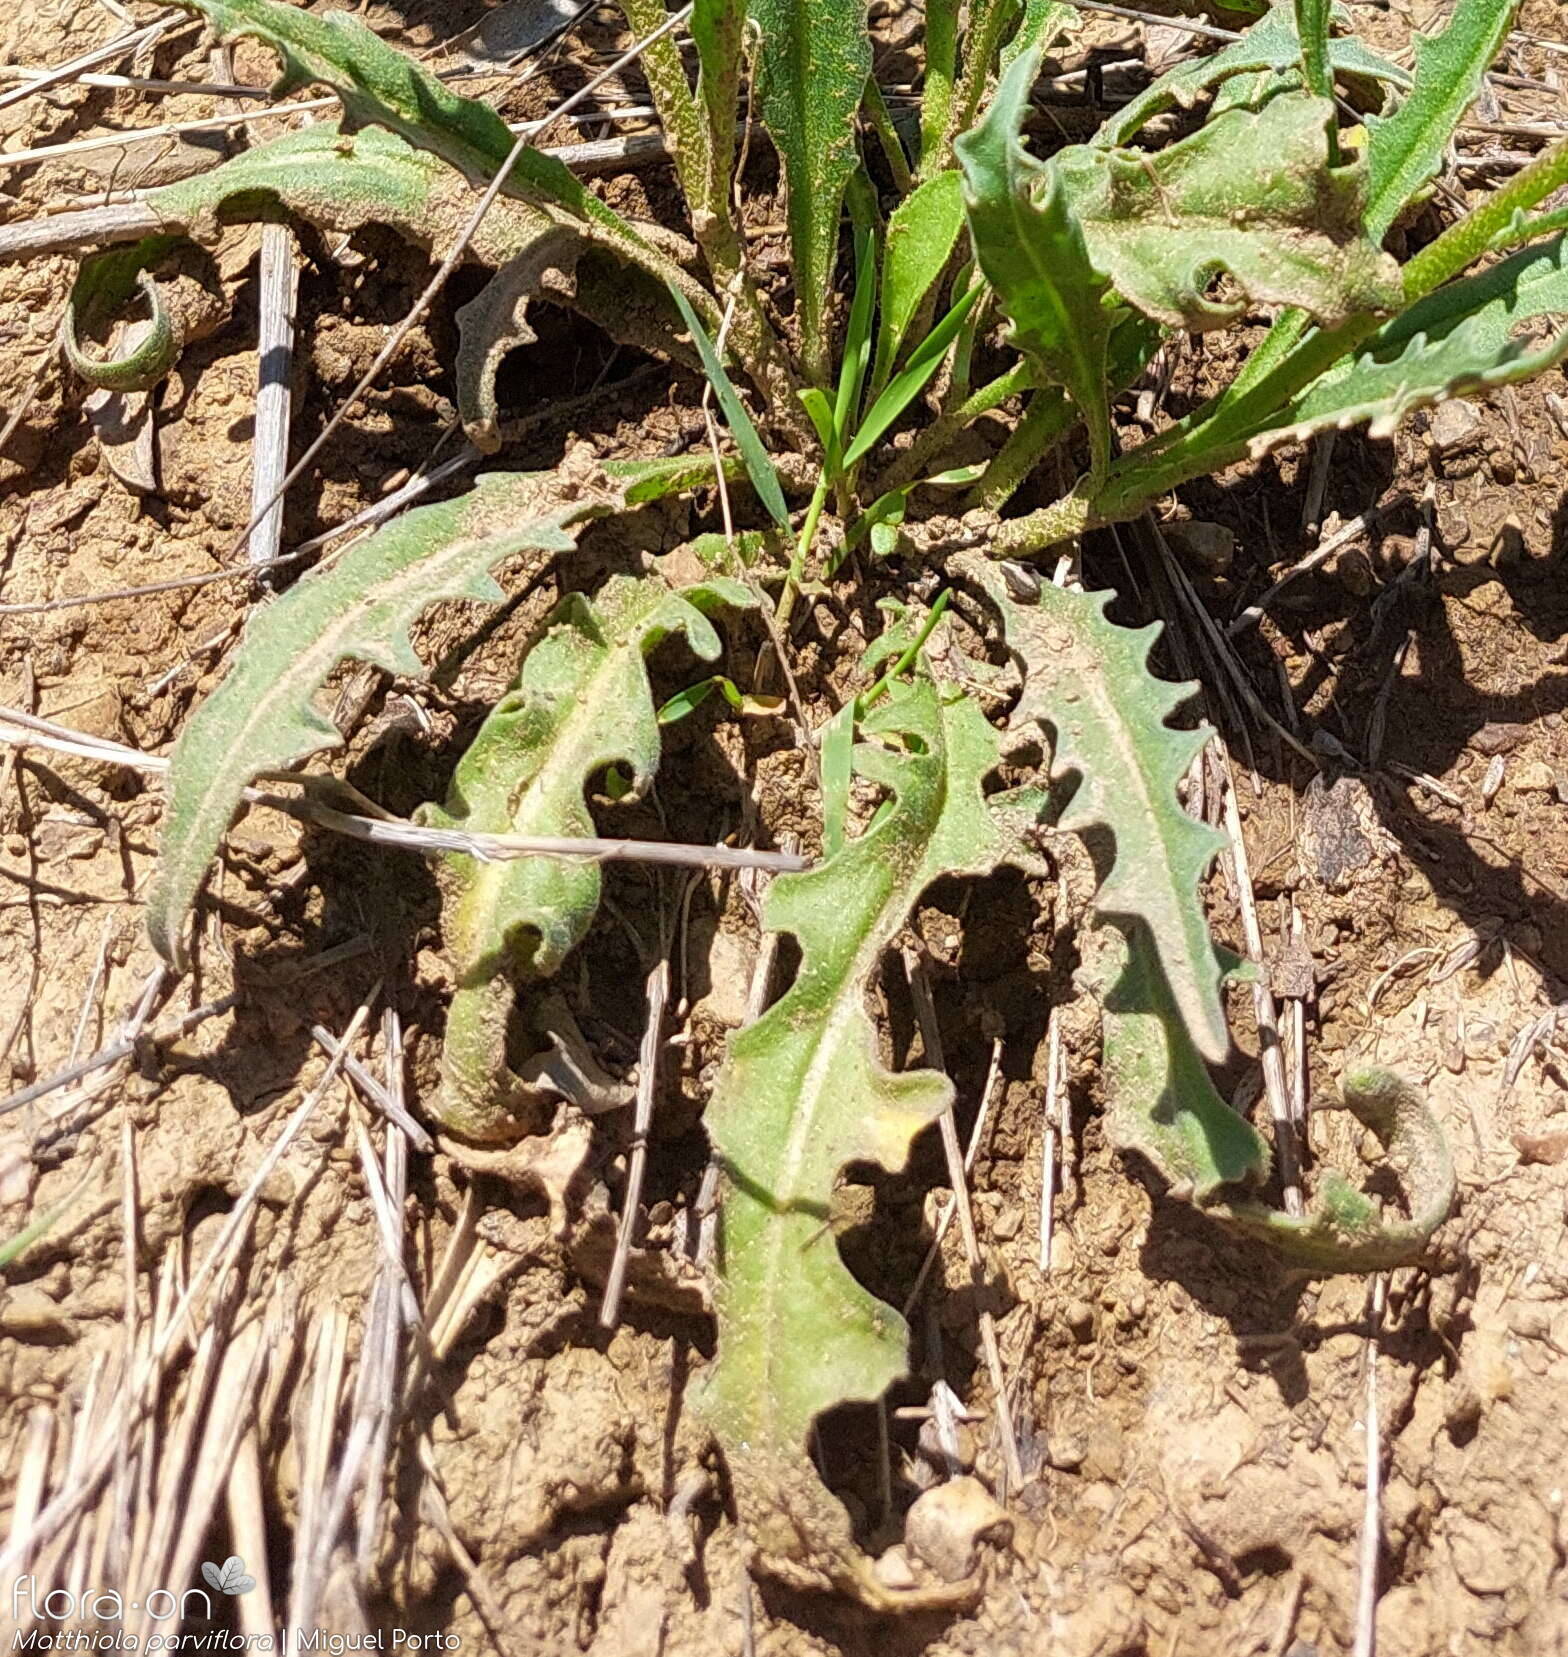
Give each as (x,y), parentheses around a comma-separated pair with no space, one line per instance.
(1534,777)
(948,1525)
(1212,546)
(1455,426)
(1080,1320)
(893,1569)
(27,1310)
(1493,780)
(1008,1223)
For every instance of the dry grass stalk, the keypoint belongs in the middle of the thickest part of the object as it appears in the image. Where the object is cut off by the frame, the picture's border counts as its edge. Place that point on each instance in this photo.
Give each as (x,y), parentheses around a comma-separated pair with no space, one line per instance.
(957,1173)
(1054,1140)
(1371,1512)
(658,991)
(274,370)
(1264,1006)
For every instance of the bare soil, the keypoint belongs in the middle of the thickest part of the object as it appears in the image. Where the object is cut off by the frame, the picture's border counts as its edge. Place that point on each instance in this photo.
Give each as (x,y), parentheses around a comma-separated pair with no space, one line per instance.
(1194,1418)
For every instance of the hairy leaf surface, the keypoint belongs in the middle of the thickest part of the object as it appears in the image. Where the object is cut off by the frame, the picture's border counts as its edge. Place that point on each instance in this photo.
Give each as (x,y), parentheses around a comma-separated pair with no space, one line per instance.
(581,702)
(921,235)
(1405,150)
(343,182)
(379,86)
(1271,45)
(1030,243)
(1043,23)
(811,75)
(1251,196)
(1088,681)
(1471,336)
(1161,1103)
(1159,1099)
(263,716)
(495,321)
(803,1092)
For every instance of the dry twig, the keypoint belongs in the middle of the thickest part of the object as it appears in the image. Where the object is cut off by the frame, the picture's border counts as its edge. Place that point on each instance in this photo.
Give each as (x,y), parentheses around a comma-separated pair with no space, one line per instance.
(931,1036)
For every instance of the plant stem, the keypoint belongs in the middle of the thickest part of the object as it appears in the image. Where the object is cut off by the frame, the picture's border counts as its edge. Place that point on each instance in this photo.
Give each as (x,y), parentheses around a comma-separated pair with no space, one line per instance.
(1217,434)
(906,660)
(702,150)
(1048,418)
(880,118)
(1038,531)
(797,564)
(982,39)
(1019,378)
(1463,243)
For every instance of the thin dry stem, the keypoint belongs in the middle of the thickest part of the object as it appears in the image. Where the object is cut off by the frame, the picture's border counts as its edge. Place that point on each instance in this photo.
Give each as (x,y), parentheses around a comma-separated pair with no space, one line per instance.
(248,1532)
(658,991)
(1320,554)
(1372,1506)
(931,1035)
(274,371)
(1050,1140)
(1263,1003)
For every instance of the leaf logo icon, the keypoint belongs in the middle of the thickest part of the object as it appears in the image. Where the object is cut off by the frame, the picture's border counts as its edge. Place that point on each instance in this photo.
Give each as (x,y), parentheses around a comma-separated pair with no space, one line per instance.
(229,1577)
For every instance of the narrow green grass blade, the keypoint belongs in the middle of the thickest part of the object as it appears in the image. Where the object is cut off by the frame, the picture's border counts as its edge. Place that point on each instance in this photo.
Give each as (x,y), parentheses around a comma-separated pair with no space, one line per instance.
(921,235)
(759,468)
(857,337)
(907,385)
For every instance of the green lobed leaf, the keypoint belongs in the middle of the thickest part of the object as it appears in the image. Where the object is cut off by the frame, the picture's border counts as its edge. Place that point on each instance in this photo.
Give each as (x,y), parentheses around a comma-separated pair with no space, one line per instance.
(263,716)
(1161,1103)
(1043,23)
(1467,337)
(340,181)
(343,182)
(379,86)
(1252,196)
(1344,1230)
(1159,1099)
(812,67)
(581,703)
(1405,150)
(101,287)
(1270,45)
(495,321)
(1087,680)
(1030,243)
(802,1092)
(920,237)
